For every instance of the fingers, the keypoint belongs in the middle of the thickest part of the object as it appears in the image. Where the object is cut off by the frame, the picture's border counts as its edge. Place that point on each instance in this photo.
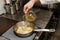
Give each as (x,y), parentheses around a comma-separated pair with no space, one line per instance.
(26,9)
(28,6)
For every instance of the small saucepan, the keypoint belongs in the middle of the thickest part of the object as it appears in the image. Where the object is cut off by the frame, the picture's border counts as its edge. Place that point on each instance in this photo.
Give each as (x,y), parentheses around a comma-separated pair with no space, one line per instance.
(25,29)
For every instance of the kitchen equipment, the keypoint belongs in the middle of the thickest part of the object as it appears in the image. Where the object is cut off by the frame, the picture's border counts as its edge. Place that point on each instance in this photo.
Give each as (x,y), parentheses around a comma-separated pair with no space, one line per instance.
(13,9)
(7,1)
(24,29)
(7,8)
(10,6)
(30,16)
(18,5)
(41,22)
(3,38)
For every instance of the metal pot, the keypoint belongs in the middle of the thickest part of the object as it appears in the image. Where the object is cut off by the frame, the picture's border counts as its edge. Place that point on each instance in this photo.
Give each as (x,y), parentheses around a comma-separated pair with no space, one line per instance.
(24,29)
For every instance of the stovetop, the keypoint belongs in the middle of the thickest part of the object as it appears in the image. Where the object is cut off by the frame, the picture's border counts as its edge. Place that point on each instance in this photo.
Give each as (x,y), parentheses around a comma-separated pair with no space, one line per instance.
(43,17)
(10,35)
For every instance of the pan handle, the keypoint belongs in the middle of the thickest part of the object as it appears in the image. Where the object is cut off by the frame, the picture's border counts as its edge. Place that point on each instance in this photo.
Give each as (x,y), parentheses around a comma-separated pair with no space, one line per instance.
(44,30)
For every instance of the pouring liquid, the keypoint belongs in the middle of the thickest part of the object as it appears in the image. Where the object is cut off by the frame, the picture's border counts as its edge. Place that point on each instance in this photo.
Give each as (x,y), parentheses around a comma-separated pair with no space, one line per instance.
(30,17)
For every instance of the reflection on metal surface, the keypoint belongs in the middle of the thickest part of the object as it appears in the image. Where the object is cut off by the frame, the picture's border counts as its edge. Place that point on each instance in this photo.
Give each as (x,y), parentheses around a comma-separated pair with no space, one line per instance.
(45,30)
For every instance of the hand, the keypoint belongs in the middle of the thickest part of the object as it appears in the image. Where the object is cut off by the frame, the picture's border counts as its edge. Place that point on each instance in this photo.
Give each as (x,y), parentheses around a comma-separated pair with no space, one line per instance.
(28,6)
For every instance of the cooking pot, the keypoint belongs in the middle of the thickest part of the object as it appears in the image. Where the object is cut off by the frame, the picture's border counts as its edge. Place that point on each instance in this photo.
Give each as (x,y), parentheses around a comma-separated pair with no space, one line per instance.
(25,29)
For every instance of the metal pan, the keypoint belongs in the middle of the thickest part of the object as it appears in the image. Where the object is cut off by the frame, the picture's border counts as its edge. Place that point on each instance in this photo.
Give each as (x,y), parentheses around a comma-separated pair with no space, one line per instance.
(25,29)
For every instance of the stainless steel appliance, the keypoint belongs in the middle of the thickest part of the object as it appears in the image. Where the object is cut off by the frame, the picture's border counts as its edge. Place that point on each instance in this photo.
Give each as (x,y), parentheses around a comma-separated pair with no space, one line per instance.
(41,22)
(43,18)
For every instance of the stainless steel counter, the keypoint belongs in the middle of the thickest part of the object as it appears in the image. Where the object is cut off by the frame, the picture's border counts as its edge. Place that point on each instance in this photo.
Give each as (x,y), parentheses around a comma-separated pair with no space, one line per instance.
(43,17)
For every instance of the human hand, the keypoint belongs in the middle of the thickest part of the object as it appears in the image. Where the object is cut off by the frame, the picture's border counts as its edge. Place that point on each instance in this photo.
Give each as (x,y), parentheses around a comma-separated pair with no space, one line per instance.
(28,6)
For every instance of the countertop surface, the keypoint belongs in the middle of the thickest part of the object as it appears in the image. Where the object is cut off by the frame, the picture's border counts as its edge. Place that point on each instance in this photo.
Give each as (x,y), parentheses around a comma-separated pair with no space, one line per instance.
(5,24)
(43,17)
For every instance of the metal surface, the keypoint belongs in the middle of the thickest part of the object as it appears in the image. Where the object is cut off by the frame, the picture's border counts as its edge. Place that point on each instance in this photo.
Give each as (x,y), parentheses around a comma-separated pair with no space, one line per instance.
(7,8)
(25,29)
(7,1)
(3,38)
(13,9)
(43,17)
(45,30)
(10,35)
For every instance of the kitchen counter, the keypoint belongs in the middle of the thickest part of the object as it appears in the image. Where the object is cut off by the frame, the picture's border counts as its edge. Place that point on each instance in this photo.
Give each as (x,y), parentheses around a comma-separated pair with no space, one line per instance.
(5,24)
(43,17)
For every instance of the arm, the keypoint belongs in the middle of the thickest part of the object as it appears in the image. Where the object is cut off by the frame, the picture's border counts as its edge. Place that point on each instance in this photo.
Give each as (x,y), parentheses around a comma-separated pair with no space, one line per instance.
(30,4)
(49,1)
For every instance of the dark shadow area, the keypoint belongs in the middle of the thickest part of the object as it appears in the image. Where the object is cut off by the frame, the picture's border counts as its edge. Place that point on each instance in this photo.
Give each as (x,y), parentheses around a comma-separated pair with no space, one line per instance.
(5,24)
